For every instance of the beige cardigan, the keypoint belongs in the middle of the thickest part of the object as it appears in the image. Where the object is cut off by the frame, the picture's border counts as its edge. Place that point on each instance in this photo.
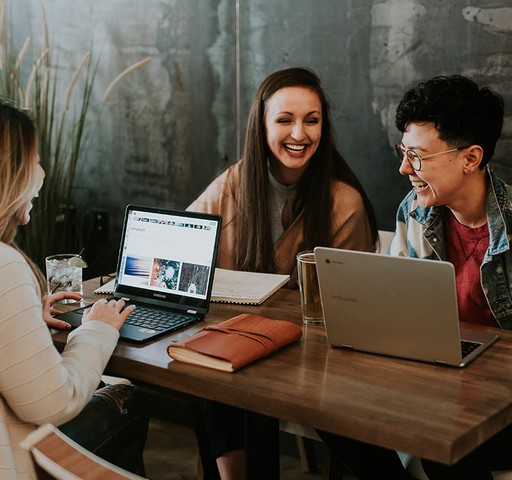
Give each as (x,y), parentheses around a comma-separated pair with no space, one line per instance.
(37,384)
(351,229)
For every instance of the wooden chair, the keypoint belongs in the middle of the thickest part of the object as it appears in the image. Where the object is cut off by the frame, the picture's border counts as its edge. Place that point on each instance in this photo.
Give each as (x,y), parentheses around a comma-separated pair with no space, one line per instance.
(56,457)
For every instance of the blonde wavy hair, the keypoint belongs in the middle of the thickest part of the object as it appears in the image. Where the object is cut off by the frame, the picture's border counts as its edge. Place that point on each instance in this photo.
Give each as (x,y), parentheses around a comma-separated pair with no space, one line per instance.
(18,164)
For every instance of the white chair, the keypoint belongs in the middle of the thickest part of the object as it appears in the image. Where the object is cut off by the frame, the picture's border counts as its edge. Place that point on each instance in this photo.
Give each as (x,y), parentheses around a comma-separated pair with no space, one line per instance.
(305,437)
(502,475)
(56,457)
(413,465)
(385,238)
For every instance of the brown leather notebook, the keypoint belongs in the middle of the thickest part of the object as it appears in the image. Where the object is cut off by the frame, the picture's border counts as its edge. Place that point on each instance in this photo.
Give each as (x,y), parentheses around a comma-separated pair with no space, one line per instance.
(234,343)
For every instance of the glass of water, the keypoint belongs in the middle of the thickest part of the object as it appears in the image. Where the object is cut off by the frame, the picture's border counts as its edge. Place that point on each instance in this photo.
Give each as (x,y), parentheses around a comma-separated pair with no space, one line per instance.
(64,274)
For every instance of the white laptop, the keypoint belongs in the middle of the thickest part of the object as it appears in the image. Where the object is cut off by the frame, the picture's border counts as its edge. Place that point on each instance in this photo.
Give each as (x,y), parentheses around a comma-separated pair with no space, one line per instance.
(398,306)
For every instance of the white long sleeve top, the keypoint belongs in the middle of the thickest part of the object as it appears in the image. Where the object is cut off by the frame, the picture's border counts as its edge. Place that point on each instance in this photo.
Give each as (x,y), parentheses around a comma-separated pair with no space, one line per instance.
(37,384)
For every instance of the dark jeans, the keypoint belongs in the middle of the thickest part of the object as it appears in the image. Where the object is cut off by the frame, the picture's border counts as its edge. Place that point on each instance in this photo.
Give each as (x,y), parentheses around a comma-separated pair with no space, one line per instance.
(112,425)
(495,454)
(224,426)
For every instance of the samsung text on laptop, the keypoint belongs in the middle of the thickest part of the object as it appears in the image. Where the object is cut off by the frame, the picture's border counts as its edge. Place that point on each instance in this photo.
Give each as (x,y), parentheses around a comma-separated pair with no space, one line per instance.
(165,267)
(397,306)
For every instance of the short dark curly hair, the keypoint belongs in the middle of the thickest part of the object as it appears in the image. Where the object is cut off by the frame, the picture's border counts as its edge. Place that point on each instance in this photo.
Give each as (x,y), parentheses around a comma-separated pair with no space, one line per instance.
(462,112)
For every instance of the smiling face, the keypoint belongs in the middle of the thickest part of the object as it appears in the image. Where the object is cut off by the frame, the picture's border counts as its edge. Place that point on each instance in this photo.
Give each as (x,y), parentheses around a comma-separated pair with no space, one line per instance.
(23,214)
(441,180)
(293,127)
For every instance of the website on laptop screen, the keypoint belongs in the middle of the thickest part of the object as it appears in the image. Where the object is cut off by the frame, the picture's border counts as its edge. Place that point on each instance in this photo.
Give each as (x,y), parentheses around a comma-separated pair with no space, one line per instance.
(167,253)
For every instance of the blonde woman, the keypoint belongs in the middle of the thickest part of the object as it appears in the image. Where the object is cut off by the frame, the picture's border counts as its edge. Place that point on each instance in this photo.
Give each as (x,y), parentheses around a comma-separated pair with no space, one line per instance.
(37,384)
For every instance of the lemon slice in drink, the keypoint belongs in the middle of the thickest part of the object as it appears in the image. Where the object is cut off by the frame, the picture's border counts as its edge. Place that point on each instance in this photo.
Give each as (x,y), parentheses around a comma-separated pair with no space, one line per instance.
(77,262)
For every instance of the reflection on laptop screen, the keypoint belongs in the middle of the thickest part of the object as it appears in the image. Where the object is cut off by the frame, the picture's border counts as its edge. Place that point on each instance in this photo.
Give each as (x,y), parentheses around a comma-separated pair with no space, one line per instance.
(167,253)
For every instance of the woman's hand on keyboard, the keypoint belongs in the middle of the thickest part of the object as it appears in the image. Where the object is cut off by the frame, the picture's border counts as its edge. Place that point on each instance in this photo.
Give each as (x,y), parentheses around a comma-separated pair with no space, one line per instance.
(110,312)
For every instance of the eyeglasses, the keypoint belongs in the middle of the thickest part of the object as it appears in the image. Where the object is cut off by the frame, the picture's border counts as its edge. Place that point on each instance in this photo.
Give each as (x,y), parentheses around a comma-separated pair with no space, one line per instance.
(414,159)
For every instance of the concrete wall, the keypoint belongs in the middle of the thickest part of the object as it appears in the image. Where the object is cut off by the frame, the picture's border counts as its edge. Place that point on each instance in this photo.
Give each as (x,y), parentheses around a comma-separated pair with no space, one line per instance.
(173,125)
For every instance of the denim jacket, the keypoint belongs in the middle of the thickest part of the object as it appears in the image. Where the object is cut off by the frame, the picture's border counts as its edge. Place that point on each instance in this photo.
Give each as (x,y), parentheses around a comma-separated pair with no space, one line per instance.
(419,234)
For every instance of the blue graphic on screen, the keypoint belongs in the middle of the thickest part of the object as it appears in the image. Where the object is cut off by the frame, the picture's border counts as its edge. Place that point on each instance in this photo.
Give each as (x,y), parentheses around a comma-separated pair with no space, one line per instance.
(138,267)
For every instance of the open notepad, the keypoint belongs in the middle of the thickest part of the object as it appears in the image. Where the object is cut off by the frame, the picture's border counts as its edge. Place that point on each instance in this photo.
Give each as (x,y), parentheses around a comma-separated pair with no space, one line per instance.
(231,286)
(251,288)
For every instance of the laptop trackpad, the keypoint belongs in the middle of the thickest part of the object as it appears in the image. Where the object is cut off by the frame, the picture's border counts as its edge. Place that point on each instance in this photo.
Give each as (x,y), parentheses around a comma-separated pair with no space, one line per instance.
(73,317)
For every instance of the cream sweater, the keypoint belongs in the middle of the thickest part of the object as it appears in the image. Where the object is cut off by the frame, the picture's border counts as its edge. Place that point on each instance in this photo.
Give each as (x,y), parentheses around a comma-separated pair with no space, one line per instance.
(37,384)
(351,229)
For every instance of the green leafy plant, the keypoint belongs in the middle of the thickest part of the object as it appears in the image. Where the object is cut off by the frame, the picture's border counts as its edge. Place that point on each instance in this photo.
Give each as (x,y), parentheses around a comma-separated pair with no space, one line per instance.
(61,111)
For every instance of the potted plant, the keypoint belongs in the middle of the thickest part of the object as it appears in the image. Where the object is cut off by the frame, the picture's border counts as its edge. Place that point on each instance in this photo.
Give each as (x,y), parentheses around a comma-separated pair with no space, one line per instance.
(61,110)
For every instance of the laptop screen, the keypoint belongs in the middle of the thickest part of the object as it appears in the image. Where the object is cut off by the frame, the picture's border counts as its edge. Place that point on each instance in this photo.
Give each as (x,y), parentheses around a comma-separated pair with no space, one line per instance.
(168,255)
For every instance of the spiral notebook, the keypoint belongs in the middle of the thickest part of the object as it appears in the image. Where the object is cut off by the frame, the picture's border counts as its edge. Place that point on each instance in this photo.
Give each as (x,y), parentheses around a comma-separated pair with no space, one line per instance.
(250,288)
(231,286)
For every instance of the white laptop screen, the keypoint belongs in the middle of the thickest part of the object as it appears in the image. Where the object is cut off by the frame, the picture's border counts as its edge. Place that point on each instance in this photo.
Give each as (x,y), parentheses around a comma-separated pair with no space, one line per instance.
(168,252)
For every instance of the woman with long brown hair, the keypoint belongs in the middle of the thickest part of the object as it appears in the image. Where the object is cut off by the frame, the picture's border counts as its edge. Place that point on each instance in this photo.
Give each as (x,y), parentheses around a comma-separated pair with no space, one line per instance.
(291,191)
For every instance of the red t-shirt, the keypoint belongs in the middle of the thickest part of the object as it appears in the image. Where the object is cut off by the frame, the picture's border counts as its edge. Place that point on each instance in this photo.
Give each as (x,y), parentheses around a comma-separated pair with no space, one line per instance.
(465,248)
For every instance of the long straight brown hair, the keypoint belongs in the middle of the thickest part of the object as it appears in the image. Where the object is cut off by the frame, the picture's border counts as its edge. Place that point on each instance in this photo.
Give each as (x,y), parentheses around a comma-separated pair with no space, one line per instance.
(254,246)
(18,163)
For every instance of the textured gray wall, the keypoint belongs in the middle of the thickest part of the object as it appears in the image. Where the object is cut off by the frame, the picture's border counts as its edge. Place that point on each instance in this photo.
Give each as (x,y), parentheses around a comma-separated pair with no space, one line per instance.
(171,127)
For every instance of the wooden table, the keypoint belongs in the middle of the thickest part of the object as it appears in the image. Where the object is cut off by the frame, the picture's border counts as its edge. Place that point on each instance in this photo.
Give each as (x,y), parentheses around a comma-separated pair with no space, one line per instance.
(435,412)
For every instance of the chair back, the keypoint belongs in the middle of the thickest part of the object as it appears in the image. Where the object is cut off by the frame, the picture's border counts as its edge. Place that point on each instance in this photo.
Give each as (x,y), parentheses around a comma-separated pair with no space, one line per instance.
(57,457)
(385,238)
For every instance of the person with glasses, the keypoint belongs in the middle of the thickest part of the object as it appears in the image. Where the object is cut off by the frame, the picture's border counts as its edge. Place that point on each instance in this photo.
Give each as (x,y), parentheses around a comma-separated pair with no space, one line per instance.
(459,211)
(457,208)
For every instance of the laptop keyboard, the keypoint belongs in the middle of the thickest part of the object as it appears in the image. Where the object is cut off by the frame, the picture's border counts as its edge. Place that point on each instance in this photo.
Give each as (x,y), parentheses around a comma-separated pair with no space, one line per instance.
(158,320)
(467,347)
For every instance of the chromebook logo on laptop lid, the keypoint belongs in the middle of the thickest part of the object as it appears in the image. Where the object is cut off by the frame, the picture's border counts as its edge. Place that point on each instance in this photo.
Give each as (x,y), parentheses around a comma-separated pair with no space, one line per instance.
(396,306)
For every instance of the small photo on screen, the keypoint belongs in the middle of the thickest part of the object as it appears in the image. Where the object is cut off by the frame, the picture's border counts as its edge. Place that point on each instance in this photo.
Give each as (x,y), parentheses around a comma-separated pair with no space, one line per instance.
(137,267)
(194,278)
(165,273)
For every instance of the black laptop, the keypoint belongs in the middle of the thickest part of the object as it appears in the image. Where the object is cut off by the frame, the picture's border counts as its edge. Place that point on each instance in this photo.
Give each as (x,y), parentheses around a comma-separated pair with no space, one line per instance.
(165,267)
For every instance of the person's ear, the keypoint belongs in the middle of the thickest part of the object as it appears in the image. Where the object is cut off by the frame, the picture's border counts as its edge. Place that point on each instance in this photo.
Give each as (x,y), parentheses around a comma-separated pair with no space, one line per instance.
(473,156)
